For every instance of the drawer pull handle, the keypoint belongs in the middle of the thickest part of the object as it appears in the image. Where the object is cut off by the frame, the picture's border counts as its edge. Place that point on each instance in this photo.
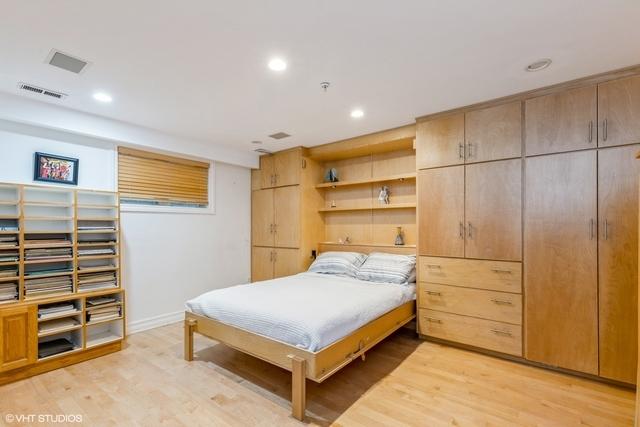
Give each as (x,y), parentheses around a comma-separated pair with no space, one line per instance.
(501,302)
(432,266)
(436,293)
(499,271)
(432,320)
(503,333)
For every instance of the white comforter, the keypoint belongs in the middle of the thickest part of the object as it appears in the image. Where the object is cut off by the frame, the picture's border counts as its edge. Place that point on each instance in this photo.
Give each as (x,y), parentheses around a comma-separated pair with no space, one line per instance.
(308,310)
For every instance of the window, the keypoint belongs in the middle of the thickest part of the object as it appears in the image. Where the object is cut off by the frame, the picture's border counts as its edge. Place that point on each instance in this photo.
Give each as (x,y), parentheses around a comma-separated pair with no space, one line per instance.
(146,178)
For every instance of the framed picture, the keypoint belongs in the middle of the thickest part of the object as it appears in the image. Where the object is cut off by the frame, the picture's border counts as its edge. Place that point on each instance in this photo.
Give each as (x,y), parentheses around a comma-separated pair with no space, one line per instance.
(51,168)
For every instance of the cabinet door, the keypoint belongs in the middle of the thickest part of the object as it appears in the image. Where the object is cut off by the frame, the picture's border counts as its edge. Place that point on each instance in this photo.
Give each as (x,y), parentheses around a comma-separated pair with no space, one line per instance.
(618,173)
(563,121)
(267,171)
(494,133)
(560,261)
(262,219)
(19,337)
(441,211)
(256,179)
(262,263)
(440,142)
(287,216)
(493,210)
(287,167)
(287,262)
(619,112)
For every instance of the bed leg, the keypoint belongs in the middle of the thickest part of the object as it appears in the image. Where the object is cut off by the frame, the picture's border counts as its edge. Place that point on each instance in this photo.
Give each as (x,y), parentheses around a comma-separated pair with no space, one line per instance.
(189,327)
(298,387)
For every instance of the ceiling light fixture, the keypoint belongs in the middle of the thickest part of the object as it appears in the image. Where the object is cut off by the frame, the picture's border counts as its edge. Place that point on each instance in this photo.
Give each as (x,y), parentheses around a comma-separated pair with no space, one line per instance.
(357,113)
(102,97)
(277,64)
(540,64)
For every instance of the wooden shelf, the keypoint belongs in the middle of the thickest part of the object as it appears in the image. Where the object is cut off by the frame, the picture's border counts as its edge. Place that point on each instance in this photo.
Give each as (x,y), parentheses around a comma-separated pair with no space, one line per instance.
(85,206)
(381,207)
(102,338)
(42,276)
(99,322)
(97,218)
(96,269)
(48,204)
(66,353)
(90,245)
(92,257)
(376,245)
(44,297)
(9,232)
(9,279)
(7,263)
(402,177)
(60,316)
(47,246)
(48,218)
(16,216)
(97,231)
(47,261)
(48,232)
(10,202)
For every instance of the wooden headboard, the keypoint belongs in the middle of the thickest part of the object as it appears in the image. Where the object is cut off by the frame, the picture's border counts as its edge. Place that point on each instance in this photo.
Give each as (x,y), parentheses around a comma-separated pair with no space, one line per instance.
(367,249)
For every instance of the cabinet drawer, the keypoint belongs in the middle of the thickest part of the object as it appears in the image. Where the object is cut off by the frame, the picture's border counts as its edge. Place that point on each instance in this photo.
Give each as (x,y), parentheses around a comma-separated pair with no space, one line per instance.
(496,336)
(499,306)
(491,275)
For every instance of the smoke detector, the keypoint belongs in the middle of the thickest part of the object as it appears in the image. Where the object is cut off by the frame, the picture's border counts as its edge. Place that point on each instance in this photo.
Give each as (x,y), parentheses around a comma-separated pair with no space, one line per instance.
(41,91)
(540,64)
(66,62)
(279,135)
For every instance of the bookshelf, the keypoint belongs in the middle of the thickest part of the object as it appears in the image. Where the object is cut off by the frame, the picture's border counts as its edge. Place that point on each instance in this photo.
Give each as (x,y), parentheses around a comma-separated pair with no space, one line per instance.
(60,279)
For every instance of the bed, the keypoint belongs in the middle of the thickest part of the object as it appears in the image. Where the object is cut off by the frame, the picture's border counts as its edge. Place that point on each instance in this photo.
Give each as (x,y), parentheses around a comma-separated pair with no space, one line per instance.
(310,324)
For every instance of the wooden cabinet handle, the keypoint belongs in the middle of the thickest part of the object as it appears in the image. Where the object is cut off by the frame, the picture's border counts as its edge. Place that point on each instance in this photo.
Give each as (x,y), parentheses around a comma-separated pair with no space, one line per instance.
(605,129)
(469,231)
(434,293)
(591,227)
(591,131)
(461,231)
(433,266)
(461,151)
(501,302)
(432,320)
(469,151)
(503,333)
(499,271)
(606,230)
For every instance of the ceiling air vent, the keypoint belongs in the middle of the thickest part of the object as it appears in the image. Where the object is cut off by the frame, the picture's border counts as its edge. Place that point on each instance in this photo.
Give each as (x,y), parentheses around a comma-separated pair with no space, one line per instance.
(262,151)
(41,91)
(279,135)
(66,61)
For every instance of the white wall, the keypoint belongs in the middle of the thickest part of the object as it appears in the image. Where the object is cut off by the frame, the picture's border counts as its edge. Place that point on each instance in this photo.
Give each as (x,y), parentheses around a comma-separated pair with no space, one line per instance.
(167,257)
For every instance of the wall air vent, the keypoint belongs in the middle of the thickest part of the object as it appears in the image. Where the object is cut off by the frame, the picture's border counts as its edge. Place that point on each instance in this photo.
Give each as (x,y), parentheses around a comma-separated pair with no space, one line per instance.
(66,61)
(41,91)
(262,151)
(279,135)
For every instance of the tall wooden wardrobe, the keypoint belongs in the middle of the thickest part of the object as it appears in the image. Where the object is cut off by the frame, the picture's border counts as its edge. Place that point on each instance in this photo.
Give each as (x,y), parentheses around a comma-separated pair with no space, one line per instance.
(528,225)
(285,223)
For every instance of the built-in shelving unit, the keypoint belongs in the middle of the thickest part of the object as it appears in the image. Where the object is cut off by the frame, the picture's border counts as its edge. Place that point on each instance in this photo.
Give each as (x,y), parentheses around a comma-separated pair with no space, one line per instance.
(366,208)
(400,177)
(60,268)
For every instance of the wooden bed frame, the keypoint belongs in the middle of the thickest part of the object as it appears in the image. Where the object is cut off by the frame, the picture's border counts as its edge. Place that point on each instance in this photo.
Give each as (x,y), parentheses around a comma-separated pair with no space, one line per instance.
(303,364)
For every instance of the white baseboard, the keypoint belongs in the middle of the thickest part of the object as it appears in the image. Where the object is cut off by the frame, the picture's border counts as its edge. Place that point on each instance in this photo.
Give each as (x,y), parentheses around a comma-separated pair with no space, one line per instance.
(154,322)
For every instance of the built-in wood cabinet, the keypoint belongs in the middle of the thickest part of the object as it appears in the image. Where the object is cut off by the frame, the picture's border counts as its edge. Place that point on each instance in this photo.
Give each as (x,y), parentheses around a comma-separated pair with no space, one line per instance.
(18,337)
(561,280)
(262,217)
(619,112)
(471,211)
(270,263)
(618,174)
(440,142)
(441,211)
(561,121)
(281,169)
(286,204)
(493,133)
(493,210)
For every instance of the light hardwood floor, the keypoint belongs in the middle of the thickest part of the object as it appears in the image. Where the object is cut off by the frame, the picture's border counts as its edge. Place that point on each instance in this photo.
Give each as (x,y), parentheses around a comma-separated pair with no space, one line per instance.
(404,381)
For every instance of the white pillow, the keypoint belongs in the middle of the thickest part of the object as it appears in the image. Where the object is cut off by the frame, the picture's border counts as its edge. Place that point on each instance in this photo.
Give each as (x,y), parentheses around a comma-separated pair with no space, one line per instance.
(339,263)
(388,268)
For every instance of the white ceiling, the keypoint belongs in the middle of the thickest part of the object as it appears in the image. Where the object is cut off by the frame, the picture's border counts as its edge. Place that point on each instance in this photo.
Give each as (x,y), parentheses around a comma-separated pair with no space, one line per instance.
(198,68)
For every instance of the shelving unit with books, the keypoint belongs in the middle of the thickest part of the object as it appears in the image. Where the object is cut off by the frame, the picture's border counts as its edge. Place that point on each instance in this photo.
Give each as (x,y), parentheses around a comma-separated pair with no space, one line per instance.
(60,274)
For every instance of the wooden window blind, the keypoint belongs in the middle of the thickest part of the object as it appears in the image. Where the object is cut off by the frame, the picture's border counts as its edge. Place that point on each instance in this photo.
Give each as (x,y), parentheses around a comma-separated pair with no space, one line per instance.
(157,179)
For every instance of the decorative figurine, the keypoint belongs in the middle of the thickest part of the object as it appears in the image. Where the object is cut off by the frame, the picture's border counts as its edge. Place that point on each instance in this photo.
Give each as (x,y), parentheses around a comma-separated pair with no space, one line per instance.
(331,175)
(399,238)
(383,197)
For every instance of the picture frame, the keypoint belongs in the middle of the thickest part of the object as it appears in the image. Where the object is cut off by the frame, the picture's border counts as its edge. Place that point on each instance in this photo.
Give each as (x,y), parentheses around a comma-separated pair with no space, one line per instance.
(56,169)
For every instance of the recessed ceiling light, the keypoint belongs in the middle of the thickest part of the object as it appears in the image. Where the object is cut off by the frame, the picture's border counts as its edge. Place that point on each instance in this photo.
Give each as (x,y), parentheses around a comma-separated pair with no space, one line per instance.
(277,64)
(538,65)
(102,97)
(357,113)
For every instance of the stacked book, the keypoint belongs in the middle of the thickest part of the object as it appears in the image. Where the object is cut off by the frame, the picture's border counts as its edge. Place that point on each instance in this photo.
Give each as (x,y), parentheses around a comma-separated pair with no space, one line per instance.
(57,325)
(53,347)
(8,292)
(8,227)
(96,251)
(55,310)
(104,311)
(8,271)
(96,228)
(48,286)
(95,281)
(8,241)
(95,241)
(9,256)
(47,253)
